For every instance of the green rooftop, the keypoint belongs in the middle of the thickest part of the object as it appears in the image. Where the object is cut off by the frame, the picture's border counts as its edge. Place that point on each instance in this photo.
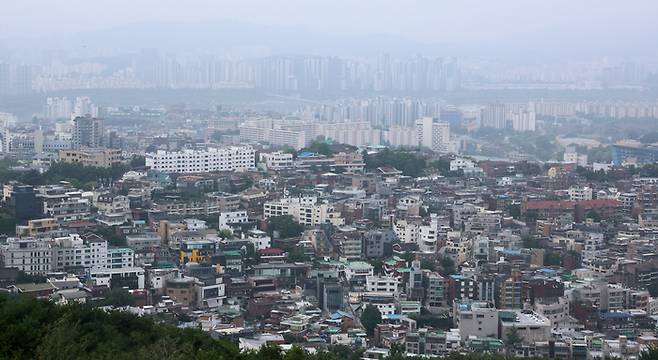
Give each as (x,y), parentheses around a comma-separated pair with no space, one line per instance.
(359,265)
(233,253)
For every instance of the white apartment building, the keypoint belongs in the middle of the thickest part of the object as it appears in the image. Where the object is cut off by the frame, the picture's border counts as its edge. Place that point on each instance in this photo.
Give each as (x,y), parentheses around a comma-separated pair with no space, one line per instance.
(385,284)
(104,277)
(42,255)
(413,230)
(64,203)
(259,239)
(359,133)
(593,246)
(484,222)
(462,164)
(385,304)
(572,157)
(524,120)
(349,241)
(462,212)
(234,158)
(229,218)
(58,108)
(433,135)
(557,310)
(296,139)
(195,224)
(358,271)
(475,319)
(577,193)
(277,160)
(305,210)
(112,210)
(31,255)
(294,133)
(120,257)
(402,136)
(531,326)
(74,252)
(157,278)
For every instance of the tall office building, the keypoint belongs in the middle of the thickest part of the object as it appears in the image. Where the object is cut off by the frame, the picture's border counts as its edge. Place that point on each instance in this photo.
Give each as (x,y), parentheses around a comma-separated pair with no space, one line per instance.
(87,132)
(432,134)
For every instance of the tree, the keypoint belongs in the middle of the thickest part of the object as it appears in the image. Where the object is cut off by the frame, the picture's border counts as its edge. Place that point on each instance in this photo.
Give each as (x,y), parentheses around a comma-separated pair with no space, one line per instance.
(650,353)
(427,264)
(341,351)
(513,338)
(240,184)
(410,163)
(285,225)
(377,265)
(270,351)
(319,148)
(552,258)
(653,289)
(118,297)
(396,351)
(295,353)
(8,224)
(137,161)
(594,216)
(111,236)
(182,317)
(38,329)
(370,318)
(530,242)
(448,265)
(296,254)
(24,277)
(409,257)
(225,234)
(514,210)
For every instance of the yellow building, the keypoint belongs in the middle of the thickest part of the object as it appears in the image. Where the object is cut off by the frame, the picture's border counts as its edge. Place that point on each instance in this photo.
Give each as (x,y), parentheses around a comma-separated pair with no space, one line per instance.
(98,157)
(36,227)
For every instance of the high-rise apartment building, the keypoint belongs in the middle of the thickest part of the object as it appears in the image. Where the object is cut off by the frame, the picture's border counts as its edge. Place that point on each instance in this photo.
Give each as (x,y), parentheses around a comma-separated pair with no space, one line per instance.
(200,161)
(87,132)
(493,116)
(432,134)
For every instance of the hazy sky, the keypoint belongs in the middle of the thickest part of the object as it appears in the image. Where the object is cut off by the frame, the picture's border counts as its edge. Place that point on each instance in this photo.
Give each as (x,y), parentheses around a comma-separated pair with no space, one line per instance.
(523,28)
(431,20)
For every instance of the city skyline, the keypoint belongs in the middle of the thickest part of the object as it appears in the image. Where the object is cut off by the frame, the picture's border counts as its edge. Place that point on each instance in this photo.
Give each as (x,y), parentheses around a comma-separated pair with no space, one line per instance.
(329,180)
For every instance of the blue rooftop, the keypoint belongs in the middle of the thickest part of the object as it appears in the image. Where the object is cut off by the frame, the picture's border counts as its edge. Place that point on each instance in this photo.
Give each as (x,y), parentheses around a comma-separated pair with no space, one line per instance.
(613,315)
(392,316)
(340,314)
(511,252)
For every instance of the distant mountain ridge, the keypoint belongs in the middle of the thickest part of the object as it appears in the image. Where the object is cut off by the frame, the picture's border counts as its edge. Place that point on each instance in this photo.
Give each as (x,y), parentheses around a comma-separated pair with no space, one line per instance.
(234,36)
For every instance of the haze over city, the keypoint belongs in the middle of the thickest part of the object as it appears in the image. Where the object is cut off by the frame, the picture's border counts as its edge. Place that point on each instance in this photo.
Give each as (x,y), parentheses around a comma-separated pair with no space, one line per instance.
(327,180)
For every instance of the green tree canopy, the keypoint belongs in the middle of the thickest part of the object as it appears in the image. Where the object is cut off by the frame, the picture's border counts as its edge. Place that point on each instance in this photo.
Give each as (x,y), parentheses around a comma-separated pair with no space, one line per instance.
(370,318)
(285,225)
(410,163)
(448,266)
(118,297)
